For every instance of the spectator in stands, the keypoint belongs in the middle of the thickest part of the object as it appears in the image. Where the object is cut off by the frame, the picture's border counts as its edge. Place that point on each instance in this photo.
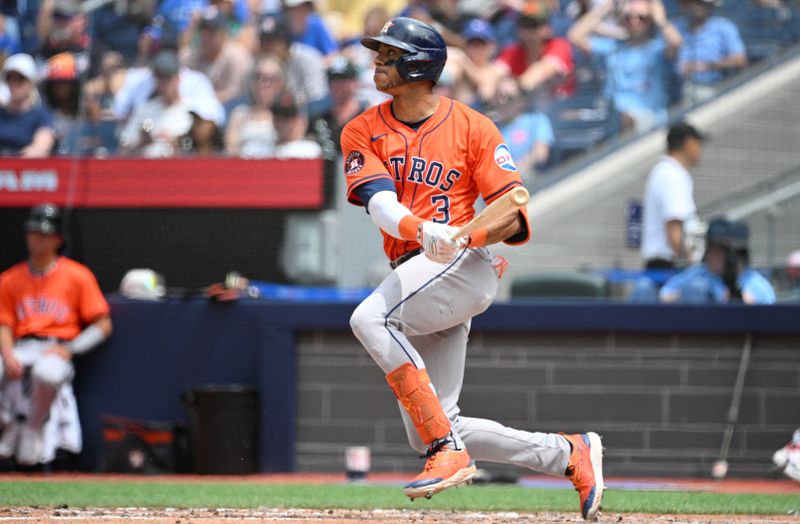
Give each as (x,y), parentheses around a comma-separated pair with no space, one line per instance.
(117,26)
(26,124)
(204,137)
(156,127)
(637,68)
(98,135)
(712,48)
(62,93)
(100,90)
(291,124)
(528,133)
(473,72)
(724,275)
(61,26)
(304,65)
(308,27)
(154,37)
(140,84)
(539,60)
(223,60)
(609,26)
(363,58)
(669,200)
(345,104)
(51,310)
(251,132)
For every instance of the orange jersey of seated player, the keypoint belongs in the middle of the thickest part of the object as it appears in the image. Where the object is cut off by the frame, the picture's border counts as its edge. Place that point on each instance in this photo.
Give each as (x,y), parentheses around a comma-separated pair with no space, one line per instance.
(57,304)
(438,171)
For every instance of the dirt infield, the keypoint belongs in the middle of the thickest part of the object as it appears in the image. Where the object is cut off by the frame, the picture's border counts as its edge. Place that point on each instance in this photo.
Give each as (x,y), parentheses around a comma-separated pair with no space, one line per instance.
(388,516)
(225,516)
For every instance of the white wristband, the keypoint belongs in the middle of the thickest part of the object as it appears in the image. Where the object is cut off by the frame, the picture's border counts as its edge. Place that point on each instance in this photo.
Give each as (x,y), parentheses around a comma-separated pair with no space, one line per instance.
(87,339)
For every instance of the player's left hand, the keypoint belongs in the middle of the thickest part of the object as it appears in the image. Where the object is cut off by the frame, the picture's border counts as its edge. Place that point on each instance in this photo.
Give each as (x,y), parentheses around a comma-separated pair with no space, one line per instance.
(60,351)
(437,242)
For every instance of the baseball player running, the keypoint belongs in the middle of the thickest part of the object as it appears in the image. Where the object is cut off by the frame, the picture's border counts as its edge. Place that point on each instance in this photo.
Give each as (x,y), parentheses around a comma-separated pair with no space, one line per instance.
(417,163)
(45,304)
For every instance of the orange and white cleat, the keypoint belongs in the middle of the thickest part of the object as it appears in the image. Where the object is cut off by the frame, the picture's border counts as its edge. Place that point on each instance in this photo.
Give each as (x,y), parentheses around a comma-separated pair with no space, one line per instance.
(585,470)
(444,468)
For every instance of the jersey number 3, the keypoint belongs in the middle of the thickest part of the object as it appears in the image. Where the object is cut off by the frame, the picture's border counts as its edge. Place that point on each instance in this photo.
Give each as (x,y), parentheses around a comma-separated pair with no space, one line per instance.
(441,204)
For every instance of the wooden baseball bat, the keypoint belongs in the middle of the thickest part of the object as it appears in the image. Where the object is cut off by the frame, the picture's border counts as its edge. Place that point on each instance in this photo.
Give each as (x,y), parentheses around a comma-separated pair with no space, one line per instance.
(503,206)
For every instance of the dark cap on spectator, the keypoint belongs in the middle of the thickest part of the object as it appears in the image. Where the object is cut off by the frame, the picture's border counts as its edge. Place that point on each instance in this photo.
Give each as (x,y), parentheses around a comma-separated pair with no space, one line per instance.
(478,29)
(531,21)
(274,27)
(343,68)
(678,133)
(213,18)
(727,233)
(533,14)
(166,63)
(286,106)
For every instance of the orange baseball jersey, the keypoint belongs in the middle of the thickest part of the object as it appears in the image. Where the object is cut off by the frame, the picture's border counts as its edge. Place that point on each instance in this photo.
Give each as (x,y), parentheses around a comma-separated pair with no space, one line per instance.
(58,304)
(438,171)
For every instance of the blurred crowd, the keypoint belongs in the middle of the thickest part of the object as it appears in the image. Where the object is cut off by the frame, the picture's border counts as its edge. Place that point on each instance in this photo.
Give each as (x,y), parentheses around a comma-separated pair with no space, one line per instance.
(279,79)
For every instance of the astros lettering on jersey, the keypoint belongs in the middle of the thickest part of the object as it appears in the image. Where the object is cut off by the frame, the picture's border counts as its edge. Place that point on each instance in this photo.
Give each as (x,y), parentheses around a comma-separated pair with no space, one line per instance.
(468,159)
(57,304)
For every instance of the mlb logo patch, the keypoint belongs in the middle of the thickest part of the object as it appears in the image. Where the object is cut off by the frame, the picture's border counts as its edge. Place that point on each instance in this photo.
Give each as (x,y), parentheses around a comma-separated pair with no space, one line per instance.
(354,162)
(502,155)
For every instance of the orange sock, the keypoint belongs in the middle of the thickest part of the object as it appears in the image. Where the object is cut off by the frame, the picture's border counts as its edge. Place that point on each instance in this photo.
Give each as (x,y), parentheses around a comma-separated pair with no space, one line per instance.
(412,387)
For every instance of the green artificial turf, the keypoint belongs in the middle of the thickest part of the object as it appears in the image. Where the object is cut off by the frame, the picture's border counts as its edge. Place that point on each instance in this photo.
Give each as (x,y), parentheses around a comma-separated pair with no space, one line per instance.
(354,496)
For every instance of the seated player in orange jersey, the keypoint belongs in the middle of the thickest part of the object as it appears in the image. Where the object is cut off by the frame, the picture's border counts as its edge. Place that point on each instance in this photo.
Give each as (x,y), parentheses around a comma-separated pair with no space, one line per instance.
(51,309)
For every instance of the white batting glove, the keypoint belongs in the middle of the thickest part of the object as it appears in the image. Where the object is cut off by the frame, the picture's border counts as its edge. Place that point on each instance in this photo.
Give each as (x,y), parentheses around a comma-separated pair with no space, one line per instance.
(437,241)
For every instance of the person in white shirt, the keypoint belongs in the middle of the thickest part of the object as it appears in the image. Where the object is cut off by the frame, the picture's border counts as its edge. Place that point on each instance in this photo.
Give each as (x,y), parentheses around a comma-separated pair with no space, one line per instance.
(304,65)
(669,199)
(156,126)
(140,86)
(291,124)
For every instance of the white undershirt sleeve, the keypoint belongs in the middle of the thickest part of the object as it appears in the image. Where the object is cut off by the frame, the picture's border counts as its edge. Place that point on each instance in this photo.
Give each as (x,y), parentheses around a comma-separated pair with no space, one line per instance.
(387,212)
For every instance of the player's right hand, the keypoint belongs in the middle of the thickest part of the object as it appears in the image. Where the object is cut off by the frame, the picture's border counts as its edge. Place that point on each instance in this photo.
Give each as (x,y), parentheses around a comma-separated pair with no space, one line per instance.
(13,368)
(437,241)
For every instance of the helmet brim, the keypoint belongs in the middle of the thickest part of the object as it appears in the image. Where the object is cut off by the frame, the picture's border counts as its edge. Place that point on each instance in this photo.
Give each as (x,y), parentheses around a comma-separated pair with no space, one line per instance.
(373,42)
(42,226)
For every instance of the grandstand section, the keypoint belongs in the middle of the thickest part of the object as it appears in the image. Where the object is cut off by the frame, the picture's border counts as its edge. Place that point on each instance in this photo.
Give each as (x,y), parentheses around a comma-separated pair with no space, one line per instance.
(579,218)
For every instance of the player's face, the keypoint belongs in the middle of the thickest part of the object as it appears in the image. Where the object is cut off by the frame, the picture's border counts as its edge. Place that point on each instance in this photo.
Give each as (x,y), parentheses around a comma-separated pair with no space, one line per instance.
(386,76)
(694,150)
(40,244)
(715,259)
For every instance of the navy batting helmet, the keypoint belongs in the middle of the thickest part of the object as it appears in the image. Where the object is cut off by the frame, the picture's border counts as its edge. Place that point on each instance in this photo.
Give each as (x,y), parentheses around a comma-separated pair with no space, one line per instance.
(44,218)
(425,49)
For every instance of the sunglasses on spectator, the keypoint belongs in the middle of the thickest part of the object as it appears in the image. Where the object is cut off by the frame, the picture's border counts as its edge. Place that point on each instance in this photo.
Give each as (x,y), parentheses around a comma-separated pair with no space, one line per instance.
(11,76)
(640,18)
(269,78)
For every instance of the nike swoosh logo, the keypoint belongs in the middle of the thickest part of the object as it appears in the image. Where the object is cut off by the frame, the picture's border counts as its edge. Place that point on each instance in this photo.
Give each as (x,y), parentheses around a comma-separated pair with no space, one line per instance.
(374,138)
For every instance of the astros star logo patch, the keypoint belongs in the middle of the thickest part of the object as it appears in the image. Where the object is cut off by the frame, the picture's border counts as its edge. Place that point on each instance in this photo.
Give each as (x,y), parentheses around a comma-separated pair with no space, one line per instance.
(354,162)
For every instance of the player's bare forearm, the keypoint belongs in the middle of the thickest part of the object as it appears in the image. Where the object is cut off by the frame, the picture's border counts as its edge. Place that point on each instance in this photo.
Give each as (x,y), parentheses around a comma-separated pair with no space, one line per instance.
(504,228)
(6,339)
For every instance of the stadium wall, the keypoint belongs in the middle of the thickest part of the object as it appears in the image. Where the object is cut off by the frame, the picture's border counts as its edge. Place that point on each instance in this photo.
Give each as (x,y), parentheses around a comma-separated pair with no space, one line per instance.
(656,381)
